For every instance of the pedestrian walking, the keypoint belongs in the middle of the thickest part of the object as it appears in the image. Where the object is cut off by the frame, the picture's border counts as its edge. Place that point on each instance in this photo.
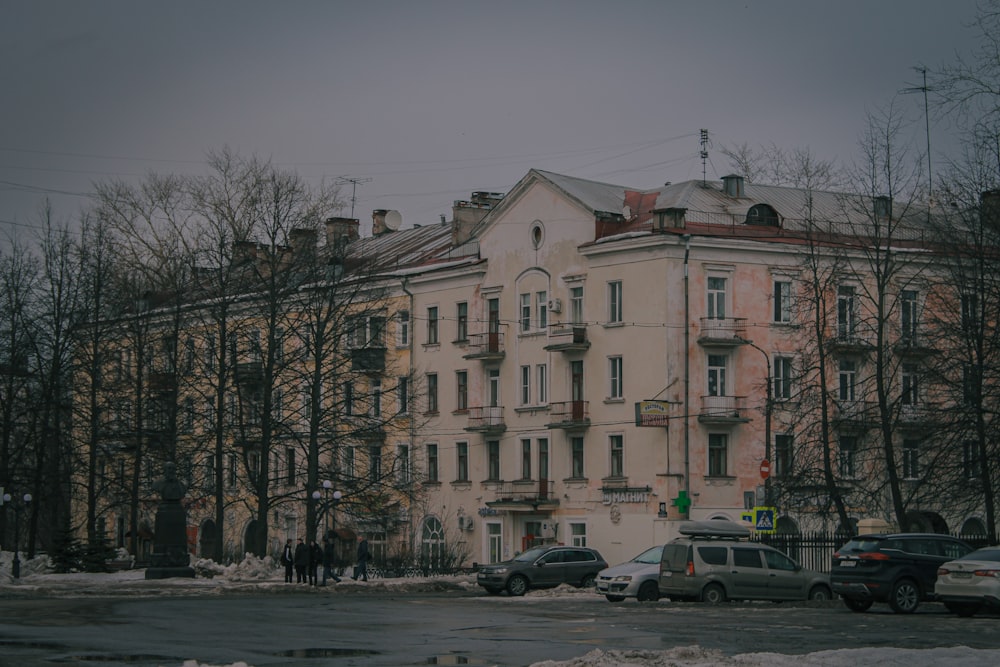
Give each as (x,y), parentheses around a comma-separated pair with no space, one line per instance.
(288,560)
(301,562)
(329,556)
(361,569)
(315,558)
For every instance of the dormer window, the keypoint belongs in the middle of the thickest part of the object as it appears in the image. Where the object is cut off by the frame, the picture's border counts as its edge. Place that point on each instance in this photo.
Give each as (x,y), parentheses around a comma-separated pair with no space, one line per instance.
(762,215)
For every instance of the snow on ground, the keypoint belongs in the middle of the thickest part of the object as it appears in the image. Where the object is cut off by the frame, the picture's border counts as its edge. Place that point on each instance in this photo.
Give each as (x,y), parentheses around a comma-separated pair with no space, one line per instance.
(262,574)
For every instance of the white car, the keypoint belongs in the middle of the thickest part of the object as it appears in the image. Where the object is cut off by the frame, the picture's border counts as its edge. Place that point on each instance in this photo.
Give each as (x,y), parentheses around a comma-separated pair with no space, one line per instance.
(636,578)
(970,583)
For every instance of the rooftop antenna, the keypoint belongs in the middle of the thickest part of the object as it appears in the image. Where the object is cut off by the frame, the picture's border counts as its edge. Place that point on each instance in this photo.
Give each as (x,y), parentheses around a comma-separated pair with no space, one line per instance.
(704,155)
(927,126)
(342,180)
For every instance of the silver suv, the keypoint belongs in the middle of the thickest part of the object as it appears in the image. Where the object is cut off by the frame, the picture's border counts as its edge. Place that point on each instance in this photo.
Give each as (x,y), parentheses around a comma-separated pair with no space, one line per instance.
(713,563)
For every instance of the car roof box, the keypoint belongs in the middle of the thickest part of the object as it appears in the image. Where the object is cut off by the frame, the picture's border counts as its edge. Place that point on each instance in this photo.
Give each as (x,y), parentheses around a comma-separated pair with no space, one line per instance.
(714,528)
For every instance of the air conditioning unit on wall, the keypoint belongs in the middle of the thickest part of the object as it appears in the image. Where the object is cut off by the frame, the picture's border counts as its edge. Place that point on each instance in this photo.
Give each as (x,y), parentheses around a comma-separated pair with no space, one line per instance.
(555,305)
(465,523)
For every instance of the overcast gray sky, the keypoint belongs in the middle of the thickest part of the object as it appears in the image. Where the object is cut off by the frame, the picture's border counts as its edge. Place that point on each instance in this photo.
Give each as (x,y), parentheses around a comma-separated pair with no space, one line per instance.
(434,99)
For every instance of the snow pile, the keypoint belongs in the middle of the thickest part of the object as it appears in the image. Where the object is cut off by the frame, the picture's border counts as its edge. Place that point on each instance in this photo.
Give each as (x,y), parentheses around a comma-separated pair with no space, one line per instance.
(251,568)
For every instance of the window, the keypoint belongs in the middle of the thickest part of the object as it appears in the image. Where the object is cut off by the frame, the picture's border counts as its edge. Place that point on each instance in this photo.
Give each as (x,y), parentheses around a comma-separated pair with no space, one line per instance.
(718,455)
(846,312)
(576,305)
(908,317)
(543,380)
(279,345)
(747,558)
(911,384)
(349,466)
(970,312)
(543,458)
(189,355)
(782,464)
(525,319)
(289,466)
(577,534)
(376,398)
(376,331)
(432,463)
(542,308)
(615,378)
(525,385)
(432,325)
(253,345)
(970,384)
(615,301)
(462,462)
(576,454)
(616,445)
(187,426)
(847,456)
(209,346)
(493,460)
(403,328)
(911,459)
(717,375)
(374,463)
(403,394)
(847,375)
(782,301)
(493,378)
(716,306)
(782,378)
(462,390)
(432,392)
(231,470)
(348,389)
(525,458)
(970,459)
(462,322)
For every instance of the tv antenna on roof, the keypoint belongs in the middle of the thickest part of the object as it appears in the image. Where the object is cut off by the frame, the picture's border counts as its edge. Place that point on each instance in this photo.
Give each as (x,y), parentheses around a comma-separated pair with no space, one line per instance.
(342,180)
(927,125)
(704,154)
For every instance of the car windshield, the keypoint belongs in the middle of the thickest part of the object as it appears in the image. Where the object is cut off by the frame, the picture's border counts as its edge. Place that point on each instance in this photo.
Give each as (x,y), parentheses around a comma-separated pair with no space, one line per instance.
(531,555)
(861,545)
(989,553)
(650,556)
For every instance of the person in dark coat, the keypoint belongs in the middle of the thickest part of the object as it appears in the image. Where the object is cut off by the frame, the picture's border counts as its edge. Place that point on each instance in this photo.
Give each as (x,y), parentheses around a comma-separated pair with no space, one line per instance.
(288,560)
(315,558)
(329,556)
(301,562)
(361,570)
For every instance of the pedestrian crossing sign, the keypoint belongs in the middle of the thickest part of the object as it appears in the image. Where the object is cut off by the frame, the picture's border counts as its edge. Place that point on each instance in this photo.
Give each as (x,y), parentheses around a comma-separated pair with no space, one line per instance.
(763,519)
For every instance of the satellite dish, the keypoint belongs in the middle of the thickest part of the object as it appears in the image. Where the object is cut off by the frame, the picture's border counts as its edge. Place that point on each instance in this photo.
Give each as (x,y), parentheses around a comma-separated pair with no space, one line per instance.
(393,220)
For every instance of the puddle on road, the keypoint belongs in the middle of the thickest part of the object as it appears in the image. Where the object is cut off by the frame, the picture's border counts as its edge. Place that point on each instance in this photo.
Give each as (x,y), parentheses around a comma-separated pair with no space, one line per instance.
(324,653)
(41,645)
(454,659)
(115,657)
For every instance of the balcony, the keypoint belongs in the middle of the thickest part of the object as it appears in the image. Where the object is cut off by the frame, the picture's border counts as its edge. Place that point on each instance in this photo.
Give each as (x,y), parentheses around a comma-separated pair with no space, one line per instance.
(848,342)
(568,338)
(163,382)
(913,346)
(723,332)
(249,373)
(527,495)
(485,347)
(853,414)
(486,420)
(723,410)
(368,359)
(917,416)
(569,415)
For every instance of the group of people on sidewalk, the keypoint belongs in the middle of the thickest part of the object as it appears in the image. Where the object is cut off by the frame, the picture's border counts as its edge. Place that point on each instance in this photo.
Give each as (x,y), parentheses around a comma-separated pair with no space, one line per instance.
(306,559)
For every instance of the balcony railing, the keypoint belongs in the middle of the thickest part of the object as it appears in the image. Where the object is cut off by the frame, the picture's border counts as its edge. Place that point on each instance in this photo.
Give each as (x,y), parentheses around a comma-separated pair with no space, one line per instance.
(567,337)
(485,346)
(249,372)
(368,359)
(849,342)
(723,410)
(569,414)
(855,414)
(919,414)
(530,492)
(163,381)
(724,331)
(488,419)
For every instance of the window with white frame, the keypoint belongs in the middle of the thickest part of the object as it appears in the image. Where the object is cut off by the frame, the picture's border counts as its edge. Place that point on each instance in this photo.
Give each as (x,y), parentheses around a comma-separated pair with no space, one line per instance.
(970,312)
(348,392)
(543,458)
(782,312)
(848,376)
(716,298)
(782,455)
(403,328)
(847,312)
(910,378)
(542,308)
(404,470)
(462,321)
(374,463)
(616,445)
(525,318)
(782,369)
(525,385)
(971,459)
(909,316)
(615,301)
(376,398)
(432,325)
(718,455)
(717,374)
(577,534)
(576,457)
(541,372)
(576,305)
(433,473)
(403,394)
(462,462)
(525,458)
(432,392)
(493,460)
(911,458)
(349,465)
(847,456)
(615,390)
(461,390)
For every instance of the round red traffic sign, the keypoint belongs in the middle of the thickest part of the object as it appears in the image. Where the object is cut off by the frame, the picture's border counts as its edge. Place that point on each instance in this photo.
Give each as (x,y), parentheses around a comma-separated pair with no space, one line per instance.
(765,469)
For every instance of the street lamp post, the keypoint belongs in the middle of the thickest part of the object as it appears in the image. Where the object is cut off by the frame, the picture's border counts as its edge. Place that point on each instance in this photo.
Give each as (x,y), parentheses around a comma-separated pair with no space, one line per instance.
(330,501)
(15,566)
(768,406)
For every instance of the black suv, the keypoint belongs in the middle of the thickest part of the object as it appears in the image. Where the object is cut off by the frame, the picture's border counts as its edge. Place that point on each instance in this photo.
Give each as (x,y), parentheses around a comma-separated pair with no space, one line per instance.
(898,568)
(542,567)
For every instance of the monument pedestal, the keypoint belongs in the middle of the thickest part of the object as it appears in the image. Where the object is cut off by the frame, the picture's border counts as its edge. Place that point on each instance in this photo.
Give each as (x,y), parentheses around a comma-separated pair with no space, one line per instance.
(170,557)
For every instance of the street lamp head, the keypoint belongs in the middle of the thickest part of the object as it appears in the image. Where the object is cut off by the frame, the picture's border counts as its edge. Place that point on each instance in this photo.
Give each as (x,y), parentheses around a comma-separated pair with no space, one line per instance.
(327,484)
(337,495)
(316,495)
(6,497)
(27,498)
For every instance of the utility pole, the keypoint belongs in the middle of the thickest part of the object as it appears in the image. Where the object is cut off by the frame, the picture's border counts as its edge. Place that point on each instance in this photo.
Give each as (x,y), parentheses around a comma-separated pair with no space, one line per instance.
(343,180)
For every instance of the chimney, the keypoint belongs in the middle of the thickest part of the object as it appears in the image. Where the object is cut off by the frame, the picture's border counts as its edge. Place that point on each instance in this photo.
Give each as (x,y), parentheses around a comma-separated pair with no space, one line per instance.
(883,206)
(378,222)
(989,209)
(303,242)
(244,251)
(732,185)
(467,214)
(341,231)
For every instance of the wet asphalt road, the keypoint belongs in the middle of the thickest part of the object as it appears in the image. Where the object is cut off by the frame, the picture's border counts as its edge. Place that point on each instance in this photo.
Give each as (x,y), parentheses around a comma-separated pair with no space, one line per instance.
(306,630)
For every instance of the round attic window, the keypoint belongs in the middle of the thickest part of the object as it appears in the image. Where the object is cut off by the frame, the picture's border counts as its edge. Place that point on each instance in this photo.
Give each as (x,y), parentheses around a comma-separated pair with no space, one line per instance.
(537,234)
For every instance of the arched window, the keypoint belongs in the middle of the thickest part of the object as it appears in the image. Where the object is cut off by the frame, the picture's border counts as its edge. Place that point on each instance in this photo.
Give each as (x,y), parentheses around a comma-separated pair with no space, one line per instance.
(762,215)
(432,545)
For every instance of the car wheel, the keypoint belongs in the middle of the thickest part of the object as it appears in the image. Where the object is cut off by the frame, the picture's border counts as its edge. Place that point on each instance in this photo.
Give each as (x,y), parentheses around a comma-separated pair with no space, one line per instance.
(588,581)
(820,594)
(854,604)
(905,596)
(648,592)
(963,609)
(614,598)
(517,585)
(713,594)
